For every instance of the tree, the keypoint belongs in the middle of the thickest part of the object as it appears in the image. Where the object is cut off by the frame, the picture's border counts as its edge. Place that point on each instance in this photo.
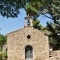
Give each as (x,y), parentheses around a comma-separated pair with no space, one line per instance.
(51,7)
(36,24)
(2,41)
(54,37)
(10,8)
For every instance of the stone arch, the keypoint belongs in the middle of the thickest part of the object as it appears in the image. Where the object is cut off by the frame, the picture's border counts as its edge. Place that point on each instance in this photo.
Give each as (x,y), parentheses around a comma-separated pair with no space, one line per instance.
(28,52)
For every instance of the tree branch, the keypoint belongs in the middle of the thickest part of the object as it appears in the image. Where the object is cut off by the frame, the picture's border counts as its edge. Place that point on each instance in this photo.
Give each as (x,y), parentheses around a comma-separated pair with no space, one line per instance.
(47,16)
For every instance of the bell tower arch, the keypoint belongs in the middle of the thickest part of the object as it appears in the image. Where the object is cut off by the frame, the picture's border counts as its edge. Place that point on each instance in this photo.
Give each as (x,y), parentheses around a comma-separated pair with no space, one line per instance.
(28,21)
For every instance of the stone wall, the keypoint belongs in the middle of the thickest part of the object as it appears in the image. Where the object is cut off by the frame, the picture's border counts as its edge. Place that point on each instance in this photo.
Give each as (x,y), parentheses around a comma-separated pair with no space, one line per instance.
(55,55)
(17,41)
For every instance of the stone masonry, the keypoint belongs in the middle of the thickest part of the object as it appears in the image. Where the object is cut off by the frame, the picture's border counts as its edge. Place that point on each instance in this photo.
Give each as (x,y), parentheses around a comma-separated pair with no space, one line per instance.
(18,40)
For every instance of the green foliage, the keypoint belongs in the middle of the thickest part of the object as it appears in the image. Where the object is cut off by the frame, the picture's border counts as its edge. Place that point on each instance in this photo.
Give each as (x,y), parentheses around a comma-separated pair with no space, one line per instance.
(54,38)
(51,7)
(5,54)
(33,8)
(51,27)
(30,10)
(10,8)
(1,54)
(2,41)
(36,24)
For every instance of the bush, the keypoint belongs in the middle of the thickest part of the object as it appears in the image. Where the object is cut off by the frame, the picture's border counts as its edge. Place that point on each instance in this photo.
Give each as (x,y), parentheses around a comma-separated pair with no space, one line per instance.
(1,54)
(5,54)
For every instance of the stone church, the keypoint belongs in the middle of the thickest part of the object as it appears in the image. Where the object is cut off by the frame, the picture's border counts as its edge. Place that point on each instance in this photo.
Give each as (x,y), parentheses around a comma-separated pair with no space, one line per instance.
(27,43)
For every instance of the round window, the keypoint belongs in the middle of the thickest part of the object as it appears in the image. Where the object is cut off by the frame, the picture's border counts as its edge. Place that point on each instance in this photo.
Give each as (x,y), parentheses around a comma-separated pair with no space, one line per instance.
(28,36)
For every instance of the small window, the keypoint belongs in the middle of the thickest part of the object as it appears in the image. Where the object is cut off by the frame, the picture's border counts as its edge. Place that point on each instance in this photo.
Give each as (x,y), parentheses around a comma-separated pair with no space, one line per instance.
(28,36)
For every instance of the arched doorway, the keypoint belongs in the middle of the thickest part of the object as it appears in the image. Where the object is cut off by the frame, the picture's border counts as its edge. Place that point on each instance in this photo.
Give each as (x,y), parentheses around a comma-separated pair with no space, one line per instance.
(28,52)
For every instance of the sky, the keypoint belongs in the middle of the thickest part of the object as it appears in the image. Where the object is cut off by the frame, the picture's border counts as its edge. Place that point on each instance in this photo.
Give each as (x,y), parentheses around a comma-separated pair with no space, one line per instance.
(8,25)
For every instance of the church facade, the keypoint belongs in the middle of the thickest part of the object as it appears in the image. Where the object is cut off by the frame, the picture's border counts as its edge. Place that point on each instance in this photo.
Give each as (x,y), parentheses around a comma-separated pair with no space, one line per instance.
(27,43)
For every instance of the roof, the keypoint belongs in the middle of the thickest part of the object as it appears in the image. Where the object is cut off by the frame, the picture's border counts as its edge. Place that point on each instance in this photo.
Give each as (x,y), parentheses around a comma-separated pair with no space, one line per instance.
(25,29)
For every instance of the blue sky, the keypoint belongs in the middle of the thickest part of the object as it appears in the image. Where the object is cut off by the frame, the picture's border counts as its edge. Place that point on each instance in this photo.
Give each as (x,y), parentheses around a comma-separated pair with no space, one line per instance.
(12,24)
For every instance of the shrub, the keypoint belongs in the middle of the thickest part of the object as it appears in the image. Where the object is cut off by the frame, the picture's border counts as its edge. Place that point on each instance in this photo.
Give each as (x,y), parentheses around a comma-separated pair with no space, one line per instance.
(5,54)
(1,54)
